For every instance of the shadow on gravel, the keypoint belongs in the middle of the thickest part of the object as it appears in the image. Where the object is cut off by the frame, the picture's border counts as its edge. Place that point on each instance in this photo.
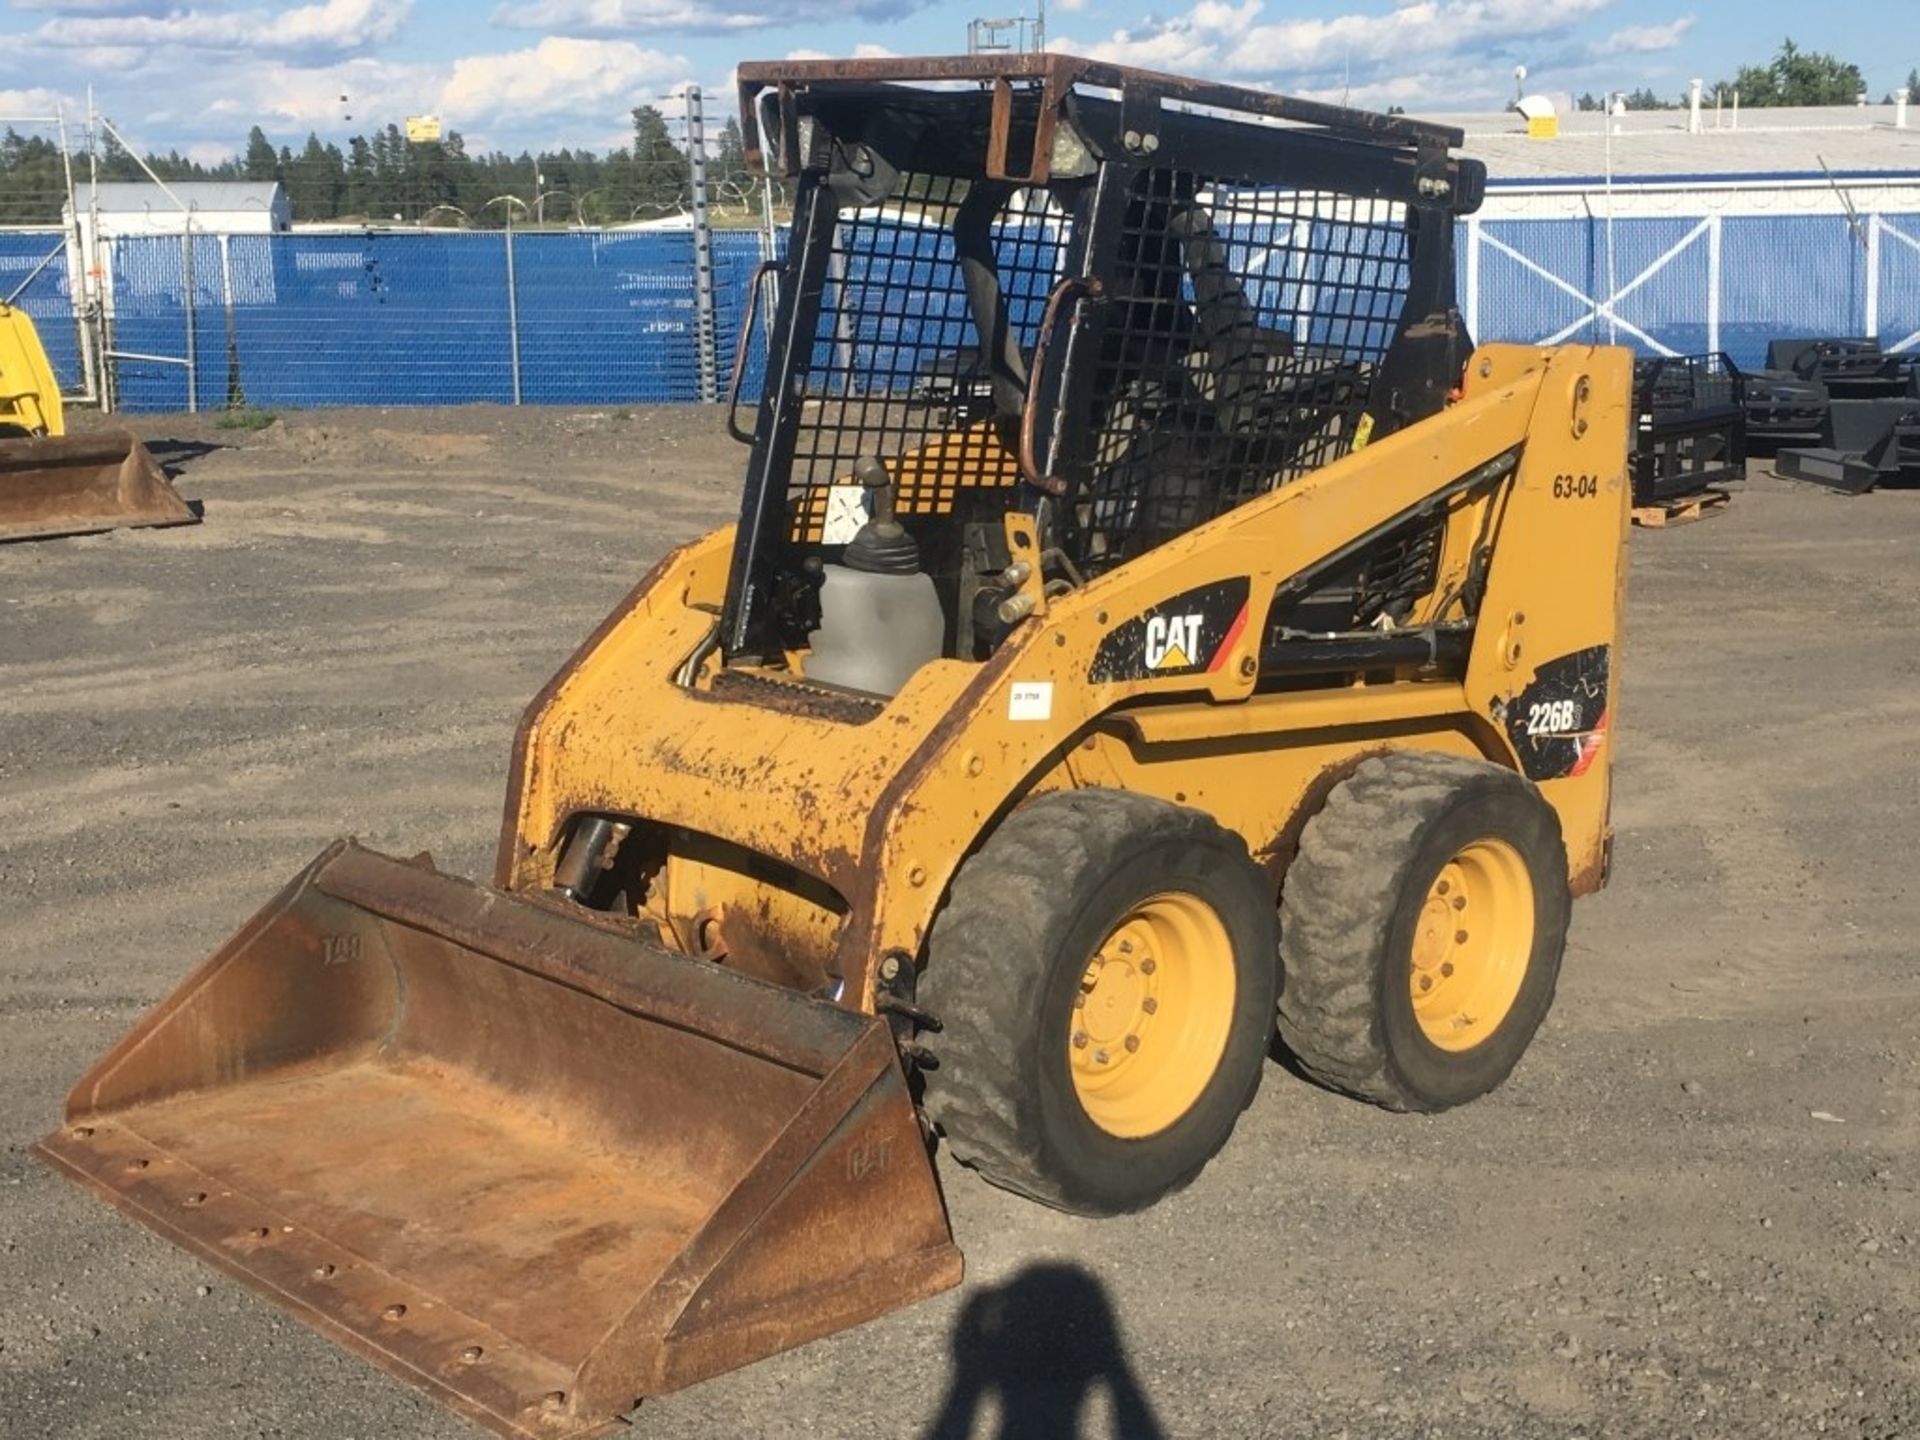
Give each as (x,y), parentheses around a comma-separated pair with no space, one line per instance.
(175,455)
(1037,1349)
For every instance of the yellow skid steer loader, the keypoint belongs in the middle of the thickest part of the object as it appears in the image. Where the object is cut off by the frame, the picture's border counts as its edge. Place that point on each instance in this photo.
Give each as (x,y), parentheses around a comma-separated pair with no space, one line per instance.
(1149,621)
(52,483)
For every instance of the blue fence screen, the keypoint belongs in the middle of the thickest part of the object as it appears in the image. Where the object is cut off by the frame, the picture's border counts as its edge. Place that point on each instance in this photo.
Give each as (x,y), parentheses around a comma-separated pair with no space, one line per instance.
(33,272)
(290,321)
(609,317)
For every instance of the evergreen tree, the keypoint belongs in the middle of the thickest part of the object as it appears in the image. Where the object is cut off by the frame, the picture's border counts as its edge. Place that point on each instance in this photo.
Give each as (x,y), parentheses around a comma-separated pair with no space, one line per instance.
(313,182)
(1800,77)
(727,174)
(261,163)
(661,172)
(380,175)
(359,178)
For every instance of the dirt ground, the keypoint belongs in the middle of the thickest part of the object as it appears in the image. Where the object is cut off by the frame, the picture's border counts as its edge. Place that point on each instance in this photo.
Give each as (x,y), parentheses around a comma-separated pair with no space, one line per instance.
(1693,1210)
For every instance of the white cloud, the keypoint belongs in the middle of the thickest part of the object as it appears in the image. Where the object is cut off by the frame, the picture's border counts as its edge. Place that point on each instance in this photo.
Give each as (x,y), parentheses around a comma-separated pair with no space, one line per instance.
(312,33)
(208,152)
(1228,40)
(639,17)
(557,92)
(559,76)
(1646,39)
(97,7)
(860,52)
(36,102)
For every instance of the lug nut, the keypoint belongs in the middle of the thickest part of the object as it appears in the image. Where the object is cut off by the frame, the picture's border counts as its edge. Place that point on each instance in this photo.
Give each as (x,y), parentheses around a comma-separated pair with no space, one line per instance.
(1459,902)
(1443,887)
(1150,1005)
(1459,937)
(1426,982)
(1079,1039)
(1147,966)
(1126,947)
(1133,1043)
(1100,1057)
(1446,969)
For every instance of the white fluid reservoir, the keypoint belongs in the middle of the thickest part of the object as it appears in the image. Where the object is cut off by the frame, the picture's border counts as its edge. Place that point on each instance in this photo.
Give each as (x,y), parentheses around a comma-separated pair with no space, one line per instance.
(880,616)
(875,630)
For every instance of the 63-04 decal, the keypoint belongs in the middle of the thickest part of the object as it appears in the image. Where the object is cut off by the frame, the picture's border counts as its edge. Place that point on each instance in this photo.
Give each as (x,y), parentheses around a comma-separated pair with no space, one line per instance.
(1559,722)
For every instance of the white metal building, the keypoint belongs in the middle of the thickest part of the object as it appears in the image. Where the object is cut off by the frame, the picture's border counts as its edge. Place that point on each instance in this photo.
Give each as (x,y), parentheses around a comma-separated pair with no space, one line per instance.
(1671,234)
(226,207)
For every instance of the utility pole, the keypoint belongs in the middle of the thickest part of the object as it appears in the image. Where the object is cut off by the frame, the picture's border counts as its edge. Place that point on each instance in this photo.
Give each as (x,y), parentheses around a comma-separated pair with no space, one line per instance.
(704,335)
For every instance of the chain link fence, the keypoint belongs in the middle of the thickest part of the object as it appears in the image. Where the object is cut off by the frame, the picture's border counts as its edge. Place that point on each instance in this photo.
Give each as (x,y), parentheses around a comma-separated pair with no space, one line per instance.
(613,316)
(293,321)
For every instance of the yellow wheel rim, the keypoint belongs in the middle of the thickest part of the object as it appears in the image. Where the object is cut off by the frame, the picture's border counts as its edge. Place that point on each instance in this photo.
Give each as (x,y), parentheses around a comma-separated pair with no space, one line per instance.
(1151,1017)
(1471,945)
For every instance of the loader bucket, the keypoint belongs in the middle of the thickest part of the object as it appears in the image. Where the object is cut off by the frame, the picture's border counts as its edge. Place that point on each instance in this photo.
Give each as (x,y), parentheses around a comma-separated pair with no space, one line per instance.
(530,1163)
(77,484)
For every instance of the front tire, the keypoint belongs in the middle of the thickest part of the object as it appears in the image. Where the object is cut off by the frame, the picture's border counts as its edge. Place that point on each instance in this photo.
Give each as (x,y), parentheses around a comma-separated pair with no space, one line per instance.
(1422,925)
(1104,973)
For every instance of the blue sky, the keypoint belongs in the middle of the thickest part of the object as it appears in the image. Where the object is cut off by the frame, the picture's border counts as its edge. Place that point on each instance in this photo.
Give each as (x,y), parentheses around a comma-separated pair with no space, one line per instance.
(194,74)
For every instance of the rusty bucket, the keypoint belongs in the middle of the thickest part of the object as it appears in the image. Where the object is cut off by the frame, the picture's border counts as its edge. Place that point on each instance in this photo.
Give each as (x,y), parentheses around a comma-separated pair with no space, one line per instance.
(526,1161)
(79,484)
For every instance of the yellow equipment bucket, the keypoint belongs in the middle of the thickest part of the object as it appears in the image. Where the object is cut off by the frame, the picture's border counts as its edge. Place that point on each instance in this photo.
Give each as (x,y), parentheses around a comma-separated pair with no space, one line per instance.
(512,1152)
(79,484)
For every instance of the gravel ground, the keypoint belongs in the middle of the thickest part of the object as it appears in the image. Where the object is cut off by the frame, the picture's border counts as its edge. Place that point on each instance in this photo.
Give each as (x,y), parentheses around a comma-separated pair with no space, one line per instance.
(1692,1211)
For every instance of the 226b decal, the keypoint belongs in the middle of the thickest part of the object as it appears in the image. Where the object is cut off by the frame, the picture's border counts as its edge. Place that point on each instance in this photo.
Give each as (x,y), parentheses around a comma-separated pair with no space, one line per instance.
(1553,717)
(1559,722)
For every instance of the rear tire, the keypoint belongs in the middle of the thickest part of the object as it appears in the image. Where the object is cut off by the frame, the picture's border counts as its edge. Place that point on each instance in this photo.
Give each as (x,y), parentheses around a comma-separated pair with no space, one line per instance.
(1422,925)
(1108,898)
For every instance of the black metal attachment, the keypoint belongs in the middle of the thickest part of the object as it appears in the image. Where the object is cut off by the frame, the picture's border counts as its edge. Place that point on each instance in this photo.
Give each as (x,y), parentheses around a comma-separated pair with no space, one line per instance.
(1691,425)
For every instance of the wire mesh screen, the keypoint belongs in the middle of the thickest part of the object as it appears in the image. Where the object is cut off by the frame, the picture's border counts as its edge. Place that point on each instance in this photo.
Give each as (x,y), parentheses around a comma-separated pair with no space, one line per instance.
(895,370)
(1243,332)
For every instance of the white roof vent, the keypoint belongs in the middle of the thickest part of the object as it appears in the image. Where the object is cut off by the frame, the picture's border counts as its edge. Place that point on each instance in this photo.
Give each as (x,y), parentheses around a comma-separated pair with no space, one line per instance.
(1541,115)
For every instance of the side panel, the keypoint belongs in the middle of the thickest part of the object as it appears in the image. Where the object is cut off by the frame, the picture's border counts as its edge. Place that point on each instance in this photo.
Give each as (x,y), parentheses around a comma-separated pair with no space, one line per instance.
(1547,668)
(1263,783)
